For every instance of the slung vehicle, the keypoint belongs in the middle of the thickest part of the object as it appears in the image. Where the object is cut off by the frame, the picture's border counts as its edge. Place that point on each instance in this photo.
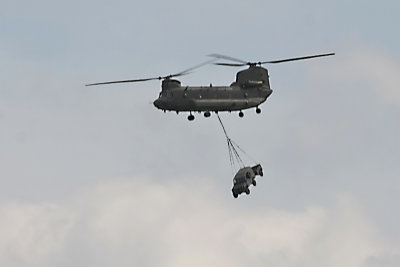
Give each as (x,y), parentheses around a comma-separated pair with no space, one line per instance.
(245,177)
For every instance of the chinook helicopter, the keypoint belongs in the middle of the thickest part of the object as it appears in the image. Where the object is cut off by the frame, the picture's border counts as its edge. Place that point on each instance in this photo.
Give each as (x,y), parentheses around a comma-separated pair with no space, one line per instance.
(250,89)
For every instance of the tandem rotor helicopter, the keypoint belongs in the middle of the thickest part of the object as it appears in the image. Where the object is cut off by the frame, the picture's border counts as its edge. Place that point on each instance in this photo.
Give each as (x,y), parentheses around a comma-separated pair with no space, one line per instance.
(250,89)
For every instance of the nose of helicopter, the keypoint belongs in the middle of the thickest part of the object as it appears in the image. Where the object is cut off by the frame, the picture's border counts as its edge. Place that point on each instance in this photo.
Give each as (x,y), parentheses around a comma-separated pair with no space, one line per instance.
(158,103)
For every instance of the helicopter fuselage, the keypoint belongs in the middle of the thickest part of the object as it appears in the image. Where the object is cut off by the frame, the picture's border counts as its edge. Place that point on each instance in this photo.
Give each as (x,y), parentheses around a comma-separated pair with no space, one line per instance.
(211,98)
(250,89)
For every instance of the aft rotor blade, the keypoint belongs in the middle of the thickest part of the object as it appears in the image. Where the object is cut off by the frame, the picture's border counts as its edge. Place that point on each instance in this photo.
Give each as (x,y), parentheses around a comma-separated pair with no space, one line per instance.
(231,64)
(295,58)
(219,56)
(189,70)
(126,81)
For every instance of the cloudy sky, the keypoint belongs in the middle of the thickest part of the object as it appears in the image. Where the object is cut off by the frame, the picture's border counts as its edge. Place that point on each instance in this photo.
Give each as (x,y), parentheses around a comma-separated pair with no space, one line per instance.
(96,176)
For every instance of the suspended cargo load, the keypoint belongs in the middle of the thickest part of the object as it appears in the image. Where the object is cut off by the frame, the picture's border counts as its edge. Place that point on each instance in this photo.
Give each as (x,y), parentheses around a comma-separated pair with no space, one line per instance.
(244,178)
(246,175)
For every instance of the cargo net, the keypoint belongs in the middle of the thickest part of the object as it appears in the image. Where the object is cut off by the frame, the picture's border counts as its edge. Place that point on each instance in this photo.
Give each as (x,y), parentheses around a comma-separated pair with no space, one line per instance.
(234,157)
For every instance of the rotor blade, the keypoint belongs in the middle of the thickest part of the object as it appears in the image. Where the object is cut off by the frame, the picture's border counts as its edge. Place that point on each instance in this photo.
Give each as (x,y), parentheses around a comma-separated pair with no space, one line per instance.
(228,58)
(230,64)
(185,72)
(126,81)
(189,70)
(295,58)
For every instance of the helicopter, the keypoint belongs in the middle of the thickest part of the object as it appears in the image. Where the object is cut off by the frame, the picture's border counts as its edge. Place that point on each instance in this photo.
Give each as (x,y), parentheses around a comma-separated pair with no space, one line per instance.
(250,89)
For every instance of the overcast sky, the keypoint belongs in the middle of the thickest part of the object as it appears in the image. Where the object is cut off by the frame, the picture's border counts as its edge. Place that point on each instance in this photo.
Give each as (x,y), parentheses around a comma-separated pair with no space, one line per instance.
(96,176)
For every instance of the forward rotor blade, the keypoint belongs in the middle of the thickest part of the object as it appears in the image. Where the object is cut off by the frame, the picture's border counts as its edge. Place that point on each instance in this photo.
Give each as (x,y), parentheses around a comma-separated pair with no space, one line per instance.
(219,56)
(126,81)
(295,58)
(185,72)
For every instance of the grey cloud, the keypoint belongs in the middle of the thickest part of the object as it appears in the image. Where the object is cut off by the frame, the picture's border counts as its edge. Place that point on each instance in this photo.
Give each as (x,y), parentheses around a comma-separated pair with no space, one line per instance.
(385,259)
(144,222)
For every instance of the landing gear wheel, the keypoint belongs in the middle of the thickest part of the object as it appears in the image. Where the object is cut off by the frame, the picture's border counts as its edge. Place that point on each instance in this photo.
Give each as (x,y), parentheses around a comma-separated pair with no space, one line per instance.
(258,110)
(247,191)
(207,114)
(190,117)
(241,114)
(254,182)
(235,195)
